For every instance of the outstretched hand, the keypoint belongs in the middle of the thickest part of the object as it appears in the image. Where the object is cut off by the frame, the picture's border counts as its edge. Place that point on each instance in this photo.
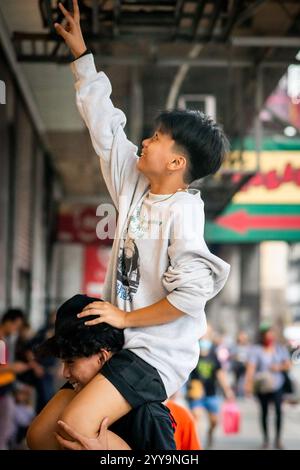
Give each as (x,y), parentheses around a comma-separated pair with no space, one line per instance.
(72,33)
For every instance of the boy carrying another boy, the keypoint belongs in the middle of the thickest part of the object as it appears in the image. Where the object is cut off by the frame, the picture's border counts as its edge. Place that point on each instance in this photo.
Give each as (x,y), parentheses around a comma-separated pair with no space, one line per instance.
(161,273)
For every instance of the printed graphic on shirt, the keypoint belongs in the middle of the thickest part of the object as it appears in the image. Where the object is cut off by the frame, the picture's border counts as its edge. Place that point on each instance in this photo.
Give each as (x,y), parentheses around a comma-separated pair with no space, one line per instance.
(128,274)
(142,224)
(206,369)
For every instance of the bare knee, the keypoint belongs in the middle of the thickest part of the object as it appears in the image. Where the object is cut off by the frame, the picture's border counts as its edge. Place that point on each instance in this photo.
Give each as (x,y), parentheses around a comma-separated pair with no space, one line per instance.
(33,437)
(213,419)
(197,414)
(40,434)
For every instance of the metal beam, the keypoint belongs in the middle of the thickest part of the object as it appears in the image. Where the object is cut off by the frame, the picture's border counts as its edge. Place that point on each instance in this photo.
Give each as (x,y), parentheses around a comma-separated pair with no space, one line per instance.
(131,34)
(214,18)
(198,16)
(179,7)
(95,17)
(249,11)
(174,62)
(46,14)
(116,16)
(221,63)
(268,41)
(232,19)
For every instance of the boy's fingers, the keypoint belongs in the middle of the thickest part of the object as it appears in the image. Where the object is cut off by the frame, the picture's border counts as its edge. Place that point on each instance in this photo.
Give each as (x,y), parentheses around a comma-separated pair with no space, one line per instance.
(93,309)
(71,432)
(93,305)
(103,432)
(94,322)
(103,425)
(72,445)
(66,13)
(90,311)
(60,30)
(76,10)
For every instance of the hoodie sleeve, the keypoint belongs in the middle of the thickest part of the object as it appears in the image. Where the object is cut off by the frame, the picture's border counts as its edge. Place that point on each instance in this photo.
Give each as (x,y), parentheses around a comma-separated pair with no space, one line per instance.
(194,275)
(118,156)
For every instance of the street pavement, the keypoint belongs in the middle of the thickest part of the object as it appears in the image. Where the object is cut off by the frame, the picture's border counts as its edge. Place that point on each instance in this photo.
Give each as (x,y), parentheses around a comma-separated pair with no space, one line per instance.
(249,437)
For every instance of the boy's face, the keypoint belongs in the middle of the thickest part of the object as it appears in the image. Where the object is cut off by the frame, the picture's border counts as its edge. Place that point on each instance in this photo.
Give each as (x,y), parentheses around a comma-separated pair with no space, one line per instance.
(79,371)
(157,154)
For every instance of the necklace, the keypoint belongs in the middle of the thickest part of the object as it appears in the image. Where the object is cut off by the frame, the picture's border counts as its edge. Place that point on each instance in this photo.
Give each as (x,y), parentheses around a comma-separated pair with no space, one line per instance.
(169,197)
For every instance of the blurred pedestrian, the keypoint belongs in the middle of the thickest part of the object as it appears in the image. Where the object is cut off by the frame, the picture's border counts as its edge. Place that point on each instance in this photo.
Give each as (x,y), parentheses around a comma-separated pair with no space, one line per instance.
(221,349)
(45,382)
(267,363)
(11,323)
(202,387)
(23,414)
(239,355)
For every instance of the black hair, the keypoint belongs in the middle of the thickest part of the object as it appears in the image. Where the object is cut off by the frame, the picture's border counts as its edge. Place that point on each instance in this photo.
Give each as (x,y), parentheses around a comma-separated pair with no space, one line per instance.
(79,340)
(200,139)
(12,315)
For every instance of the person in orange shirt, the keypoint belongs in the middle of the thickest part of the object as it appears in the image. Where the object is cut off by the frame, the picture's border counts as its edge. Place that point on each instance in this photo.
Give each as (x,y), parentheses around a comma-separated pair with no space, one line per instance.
(186,437)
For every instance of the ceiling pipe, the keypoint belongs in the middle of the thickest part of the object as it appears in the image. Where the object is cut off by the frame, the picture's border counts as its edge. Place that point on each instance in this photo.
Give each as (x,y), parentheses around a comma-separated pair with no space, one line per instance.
(180,76)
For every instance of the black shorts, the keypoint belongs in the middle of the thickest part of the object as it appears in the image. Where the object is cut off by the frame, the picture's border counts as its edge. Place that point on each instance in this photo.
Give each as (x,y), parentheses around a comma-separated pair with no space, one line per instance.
(147,427)
(137,381)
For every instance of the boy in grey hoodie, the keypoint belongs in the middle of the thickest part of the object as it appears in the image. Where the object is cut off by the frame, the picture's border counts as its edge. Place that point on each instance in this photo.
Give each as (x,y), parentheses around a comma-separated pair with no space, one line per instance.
(161,273)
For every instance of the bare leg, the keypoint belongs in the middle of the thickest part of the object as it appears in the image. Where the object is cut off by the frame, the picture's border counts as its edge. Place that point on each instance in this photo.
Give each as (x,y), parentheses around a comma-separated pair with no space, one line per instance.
(213,421)
(198,416)
(40,435)
(197,413)
(97,400)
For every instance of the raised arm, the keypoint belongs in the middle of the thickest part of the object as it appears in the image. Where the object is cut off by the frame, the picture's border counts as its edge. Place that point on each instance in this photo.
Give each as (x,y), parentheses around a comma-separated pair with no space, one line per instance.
(72,32)
(118,156)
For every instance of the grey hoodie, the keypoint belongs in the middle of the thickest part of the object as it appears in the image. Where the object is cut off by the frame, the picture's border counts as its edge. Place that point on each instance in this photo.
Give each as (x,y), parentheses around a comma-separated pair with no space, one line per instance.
(159,250)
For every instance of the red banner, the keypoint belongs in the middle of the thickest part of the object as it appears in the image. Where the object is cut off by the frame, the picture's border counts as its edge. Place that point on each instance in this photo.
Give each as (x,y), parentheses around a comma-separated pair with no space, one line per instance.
(95,265)
(78,224)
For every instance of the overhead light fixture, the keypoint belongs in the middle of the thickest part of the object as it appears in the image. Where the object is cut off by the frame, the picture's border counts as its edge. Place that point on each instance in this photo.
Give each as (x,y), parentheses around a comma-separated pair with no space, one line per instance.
(290,131)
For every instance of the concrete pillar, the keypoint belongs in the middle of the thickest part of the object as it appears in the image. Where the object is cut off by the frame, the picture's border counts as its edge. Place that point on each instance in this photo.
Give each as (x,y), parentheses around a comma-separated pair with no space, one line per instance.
(38,267)
(274,281)
(22,224)
(293,282)
(249,314)
(4,203)
(67,272)
(223,310)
